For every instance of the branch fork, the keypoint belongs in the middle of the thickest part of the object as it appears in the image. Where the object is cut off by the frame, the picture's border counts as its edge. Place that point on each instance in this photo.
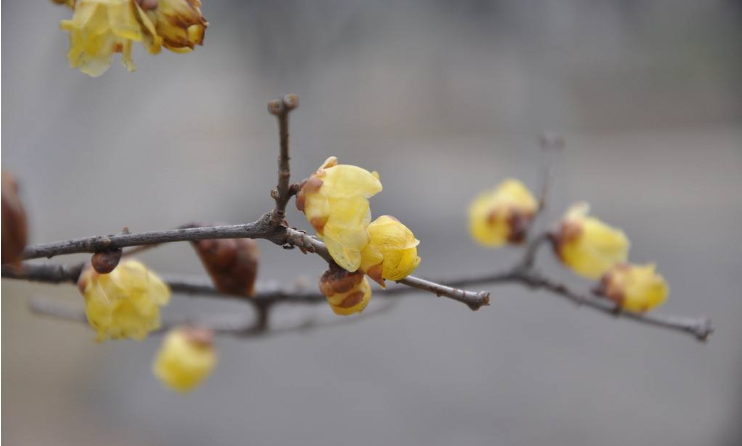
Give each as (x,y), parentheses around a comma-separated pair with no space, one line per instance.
(273,227)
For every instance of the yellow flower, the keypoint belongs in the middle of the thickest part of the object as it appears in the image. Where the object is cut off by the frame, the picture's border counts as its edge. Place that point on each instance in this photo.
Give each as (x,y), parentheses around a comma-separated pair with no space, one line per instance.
(335,201)
(502,215)
(178,22)
(392,250)
(100,28)
(125,303)
(587,245)
(636,288)
(186,358)
(346,292)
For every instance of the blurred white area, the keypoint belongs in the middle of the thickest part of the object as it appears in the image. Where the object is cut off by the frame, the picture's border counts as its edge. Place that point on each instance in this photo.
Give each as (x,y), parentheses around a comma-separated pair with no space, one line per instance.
(443,99)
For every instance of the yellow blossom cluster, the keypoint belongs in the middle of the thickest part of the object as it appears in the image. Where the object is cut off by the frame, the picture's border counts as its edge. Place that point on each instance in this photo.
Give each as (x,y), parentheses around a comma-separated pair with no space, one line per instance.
(100,28)
(335,201)
(124,303)
(585,244)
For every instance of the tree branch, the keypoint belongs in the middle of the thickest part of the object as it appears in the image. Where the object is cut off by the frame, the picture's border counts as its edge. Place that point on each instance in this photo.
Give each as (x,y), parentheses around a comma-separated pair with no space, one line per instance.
(283,192)
(230,324)
(275,293)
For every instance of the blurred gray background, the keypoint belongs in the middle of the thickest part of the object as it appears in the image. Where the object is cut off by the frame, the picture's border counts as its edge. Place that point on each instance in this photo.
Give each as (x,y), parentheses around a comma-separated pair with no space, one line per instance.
(444,99)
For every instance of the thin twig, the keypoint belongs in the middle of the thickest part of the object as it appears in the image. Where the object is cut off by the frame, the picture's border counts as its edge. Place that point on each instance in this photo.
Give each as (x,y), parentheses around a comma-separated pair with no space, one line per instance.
(274,293)
(282,194)
(700,327)
(474,300)
(238,325)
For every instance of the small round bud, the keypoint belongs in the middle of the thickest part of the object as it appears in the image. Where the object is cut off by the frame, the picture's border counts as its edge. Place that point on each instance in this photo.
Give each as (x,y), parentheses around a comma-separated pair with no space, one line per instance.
(106,261)
(291,101)
(276,107)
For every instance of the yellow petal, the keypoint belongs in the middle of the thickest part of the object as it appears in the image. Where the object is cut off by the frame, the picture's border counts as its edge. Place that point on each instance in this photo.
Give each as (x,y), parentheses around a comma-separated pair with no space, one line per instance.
(588,246)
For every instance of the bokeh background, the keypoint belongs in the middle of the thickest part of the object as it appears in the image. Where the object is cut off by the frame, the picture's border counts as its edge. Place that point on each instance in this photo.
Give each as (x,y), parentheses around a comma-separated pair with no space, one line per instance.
(444,99)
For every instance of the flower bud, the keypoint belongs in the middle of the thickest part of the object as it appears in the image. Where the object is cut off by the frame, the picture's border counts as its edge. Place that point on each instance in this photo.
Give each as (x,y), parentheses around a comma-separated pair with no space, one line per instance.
(346,292)
(587,245)
(636,288)
(186,358)
(14,226)
(391,253)
(231,263)
(335,201)
(125,303)
(106,261)
(178,22)
(503,215)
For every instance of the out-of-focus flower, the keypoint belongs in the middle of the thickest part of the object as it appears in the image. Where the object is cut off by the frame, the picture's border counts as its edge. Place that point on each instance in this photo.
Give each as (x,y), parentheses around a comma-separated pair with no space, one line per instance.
(186,358)
(587,245)
(346,292)
(100,28)
(391,253)
(178,22)
(231,263)
(636,288)
(14,225)
(335,201)
(125,303)
(502,215)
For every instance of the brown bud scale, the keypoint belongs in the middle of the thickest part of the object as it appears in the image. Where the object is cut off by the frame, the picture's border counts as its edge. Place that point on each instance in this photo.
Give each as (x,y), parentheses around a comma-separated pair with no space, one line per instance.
(14,224)
(232,264)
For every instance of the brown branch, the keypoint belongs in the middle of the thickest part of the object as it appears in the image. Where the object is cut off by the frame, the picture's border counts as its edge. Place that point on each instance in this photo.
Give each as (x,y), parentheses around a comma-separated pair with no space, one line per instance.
(266,293)
(275,293)
(700,327)
(256,230)
(283,192)
(260,229)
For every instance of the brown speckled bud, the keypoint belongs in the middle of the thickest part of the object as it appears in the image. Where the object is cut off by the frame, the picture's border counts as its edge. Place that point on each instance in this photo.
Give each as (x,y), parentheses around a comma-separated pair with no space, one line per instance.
(337,281)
